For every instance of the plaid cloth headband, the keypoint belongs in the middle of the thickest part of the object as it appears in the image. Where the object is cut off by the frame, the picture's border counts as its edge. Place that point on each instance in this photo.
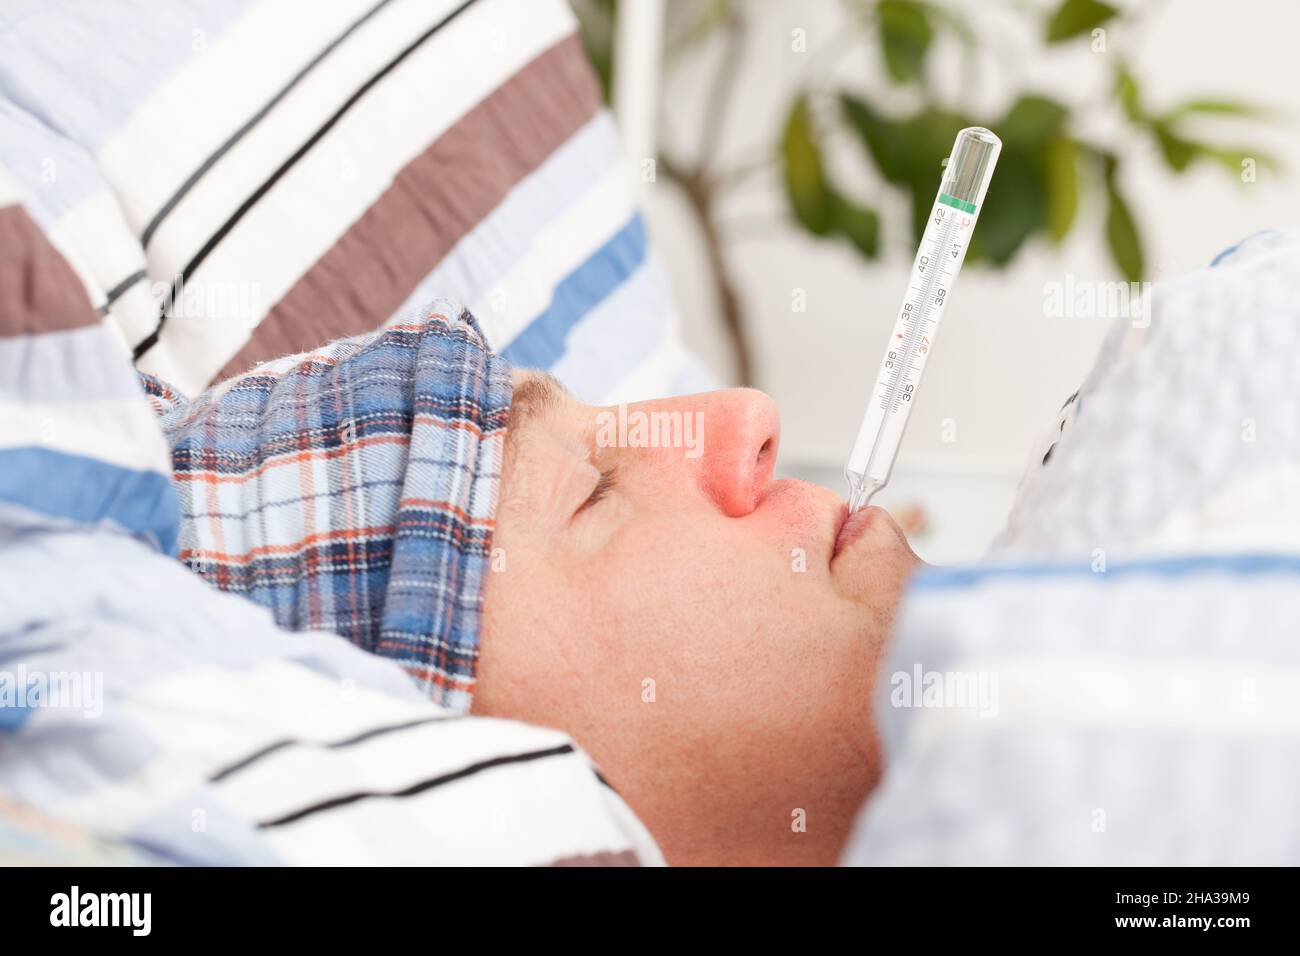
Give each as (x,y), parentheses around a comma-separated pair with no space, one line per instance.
(353,489)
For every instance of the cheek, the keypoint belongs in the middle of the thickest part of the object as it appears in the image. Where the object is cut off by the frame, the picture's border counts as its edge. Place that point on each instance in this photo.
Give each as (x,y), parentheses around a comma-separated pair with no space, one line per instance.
(534,625)
(704,602)
(732,646)
(658,597)
(671,571)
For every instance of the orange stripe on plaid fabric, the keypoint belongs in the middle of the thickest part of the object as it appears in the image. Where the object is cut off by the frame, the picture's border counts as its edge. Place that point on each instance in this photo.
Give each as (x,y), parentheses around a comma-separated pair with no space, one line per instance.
(290,459)
(342,534)
(205,554)
(305,455)
(430,675)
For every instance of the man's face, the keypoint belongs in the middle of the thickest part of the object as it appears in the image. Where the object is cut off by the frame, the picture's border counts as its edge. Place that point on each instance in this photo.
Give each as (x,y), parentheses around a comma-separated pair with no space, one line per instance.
(689,621)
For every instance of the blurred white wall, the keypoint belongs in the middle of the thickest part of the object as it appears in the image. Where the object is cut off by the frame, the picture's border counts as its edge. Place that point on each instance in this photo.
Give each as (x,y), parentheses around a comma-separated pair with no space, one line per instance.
(1000,369)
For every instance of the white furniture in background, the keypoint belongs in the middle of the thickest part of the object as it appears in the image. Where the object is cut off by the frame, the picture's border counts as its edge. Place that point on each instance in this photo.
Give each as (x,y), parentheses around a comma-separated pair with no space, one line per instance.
(638,59)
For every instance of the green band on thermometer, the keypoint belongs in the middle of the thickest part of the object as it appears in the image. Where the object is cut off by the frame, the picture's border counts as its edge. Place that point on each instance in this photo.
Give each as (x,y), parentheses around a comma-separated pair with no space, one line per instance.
(956,203)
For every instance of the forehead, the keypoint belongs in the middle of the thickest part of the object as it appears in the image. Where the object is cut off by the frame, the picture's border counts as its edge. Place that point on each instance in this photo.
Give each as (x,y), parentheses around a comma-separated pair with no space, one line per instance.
(535,394)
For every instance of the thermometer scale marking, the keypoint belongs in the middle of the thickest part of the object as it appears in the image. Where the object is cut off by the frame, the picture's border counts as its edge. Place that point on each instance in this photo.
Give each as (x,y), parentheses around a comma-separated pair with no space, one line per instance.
(902,368)
(934,271)
(916,317)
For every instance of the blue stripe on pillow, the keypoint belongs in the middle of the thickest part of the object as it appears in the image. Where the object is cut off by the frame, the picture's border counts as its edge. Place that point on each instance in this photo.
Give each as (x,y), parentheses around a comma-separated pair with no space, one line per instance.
(615,337)
(942,579)
(12,716)
(78,489)
(542,343)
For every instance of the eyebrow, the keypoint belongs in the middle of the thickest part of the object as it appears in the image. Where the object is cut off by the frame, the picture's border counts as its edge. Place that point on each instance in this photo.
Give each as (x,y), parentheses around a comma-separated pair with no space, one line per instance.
(538,393)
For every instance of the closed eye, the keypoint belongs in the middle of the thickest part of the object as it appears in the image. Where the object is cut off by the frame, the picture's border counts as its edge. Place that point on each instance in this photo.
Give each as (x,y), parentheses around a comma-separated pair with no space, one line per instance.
(604,485)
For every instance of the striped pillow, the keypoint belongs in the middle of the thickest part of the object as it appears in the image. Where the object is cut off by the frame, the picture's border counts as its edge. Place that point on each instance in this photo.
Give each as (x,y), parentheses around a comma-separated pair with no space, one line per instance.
(143,709)
(237,180)
(79,446)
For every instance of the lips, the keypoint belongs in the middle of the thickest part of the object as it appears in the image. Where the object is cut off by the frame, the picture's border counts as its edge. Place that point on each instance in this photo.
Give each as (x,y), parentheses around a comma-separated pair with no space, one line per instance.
(853,527)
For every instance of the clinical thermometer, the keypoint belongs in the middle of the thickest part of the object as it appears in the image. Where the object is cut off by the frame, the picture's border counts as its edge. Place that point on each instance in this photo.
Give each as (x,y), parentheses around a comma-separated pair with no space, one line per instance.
(938,261)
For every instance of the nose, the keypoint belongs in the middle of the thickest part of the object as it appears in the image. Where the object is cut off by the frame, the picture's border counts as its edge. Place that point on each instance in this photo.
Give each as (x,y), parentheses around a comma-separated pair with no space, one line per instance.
(739,430)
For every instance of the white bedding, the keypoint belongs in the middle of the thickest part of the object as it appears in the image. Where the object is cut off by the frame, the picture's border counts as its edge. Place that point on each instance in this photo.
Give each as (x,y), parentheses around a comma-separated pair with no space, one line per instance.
(1128,649)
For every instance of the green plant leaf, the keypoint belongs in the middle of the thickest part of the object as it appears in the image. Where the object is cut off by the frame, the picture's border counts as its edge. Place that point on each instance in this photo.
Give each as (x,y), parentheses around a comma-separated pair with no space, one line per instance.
(811,199)
(817,205)
(1180,152)
(1126,91)
(905,36)
(1032,190)
(1211,107)
(953,20)
(925,140)
(1121,231)
(1077,16)
(1016,206)
(1177,151)
(1032,119)
(882,137)
(1230,157)
(596,26)
(1061,158)
(930,134)
(860,224)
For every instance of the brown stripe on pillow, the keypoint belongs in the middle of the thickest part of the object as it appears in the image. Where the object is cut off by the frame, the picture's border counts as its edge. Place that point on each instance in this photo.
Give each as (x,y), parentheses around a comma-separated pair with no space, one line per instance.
(433,202)
(39,292)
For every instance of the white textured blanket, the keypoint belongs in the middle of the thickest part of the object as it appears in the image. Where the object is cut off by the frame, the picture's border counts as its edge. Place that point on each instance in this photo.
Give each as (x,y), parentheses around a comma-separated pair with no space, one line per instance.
(1119,681)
